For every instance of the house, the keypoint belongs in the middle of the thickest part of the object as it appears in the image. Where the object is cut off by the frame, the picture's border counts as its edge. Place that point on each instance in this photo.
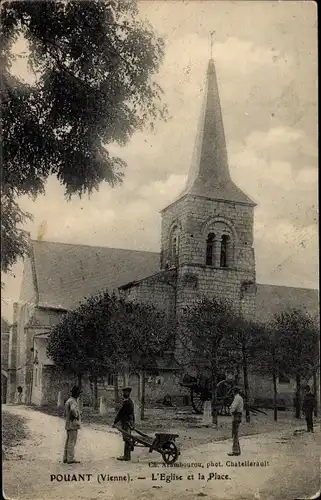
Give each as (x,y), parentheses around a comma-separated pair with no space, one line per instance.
(207,248)
(4,357)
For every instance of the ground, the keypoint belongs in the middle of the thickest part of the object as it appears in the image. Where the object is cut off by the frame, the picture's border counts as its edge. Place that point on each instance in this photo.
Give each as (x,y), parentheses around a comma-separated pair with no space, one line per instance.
(289,460)
(14,431)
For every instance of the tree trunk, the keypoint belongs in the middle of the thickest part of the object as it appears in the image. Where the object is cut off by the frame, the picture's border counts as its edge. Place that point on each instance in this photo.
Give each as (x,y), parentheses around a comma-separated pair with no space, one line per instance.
(298,396)
(214,390)
(142,401)
(116,389)
(79,382)
(275,394)
(139,387)
(315,391)
(91,390)
(95,384)
(246,384)
(237,375)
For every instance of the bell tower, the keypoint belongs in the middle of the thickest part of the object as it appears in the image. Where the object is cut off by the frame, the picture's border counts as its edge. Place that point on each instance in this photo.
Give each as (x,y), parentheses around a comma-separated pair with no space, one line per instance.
(207,233)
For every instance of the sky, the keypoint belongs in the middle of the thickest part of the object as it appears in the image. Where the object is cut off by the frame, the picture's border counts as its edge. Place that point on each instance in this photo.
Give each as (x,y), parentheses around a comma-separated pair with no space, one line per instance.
(266,61)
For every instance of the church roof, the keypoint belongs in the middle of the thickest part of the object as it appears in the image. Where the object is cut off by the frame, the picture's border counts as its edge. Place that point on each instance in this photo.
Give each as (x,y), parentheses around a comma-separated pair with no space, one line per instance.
(66,274)
(209,174)
(273,299)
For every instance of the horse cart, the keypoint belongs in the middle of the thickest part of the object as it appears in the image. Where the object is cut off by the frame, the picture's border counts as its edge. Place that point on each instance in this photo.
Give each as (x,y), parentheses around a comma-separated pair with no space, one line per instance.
(163,443)
(200,391)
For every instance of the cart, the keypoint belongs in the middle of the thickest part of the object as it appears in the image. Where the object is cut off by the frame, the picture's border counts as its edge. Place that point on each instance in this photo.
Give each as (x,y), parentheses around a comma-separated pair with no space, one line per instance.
(164,443)
(201,391)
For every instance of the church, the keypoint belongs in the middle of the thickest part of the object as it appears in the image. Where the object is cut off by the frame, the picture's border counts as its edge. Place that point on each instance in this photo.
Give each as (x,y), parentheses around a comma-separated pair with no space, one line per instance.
(207,248)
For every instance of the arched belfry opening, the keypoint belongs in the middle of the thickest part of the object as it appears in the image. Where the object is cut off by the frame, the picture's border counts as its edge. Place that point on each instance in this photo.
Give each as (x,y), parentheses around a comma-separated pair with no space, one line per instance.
(224,254)
(219,241)
(210,249)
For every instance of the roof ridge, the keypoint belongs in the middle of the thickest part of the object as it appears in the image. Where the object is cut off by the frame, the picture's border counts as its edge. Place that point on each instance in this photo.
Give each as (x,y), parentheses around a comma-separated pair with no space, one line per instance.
(289,286)
(91,246)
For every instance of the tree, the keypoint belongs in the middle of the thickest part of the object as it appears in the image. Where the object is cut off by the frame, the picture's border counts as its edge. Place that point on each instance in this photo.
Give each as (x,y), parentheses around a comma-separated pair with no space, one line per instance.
(146,334)
(298,335)
(14,242)
(105,335)
(93,63)
(203,327)
(85,342)
(267,357)
(243,342)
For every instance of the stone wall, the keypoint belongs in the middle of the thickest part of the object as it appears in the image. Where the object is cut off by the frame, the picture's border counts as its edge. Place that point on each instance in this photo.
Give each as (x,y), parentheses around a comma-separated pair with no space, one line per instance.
(4,350)
(28,291)
(157,290)
(236,286)
(195,215)
(28,321)
(54,381)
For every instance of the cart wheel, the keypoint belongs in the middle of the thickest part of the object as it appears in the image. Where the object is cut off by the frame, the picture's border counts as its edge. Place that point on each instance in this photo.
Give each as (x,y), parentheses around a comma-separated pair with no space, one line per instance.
(169,452)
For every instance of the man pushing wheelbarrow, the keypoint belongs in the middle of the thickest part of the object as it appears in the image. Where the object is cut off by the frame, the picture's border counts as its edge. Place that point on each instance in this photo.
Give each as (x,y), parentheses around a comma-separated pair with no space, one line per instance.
(126,417)
(163,443)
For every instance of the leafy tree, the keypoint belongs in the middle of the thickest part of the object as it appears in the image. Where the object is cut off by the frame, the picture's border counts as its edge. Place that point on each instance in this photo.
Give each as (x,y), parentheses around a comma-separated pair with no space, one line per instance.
(298,335)
(14,242)
(84,341)
(204,325)
(93,63)
(267,356)
(242,342)
(106,335)
(147,334)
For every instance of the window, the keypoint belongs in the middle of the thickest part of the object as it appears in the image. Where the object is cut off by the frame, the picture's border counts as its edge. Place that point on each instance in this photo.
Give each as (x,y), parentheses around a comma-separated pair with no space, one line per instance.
(210,249)
(36,376)
(224,248)
(110,379)
(174,247)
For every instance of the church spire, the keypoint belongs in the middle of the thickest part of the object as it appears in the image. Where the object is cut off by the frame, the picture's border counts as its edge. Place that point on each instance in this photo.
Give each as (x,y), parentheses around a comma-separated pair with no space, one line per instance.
(209,172)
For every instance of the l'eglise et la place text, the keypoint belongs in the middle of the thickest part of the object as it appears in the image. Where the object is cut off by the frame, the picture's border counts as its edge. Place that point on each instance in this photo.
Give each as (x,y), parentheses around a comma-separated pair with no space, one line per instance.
(246,463)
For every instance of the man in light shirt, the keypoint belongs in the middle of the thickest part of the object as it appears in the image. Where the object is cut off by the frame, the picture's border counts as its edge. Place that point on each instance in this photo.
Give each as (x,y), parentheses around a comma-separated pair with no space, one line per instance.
(72,414)
(236,410)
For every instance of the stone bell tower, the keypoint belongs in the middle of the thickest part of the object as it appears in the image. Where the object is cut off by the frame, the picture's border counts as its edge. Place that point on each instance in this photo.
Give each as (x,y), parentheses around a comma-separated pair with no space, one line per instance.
(207,233)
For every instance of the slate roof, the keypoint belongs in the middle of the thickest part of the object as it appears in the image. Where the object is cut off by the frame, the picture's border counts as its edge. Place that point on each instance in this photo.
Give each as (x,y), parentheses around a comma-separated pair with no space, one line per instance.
(209,174)
(66,274)
(272,299)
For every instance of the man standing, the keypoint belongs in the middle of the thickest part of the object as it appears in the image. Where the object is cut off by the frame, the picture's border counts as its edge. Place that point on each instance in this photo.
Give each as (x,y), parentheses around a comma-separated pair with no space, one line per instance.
(19,396)
(236,410)
(309,403)
(72,414)
(126,416)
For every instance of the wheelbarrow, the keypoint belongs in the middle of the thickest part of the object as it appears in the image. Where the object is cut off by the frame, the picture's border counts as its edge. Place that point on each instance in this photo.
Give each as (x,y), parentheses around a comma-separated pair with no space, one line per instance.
(163,443)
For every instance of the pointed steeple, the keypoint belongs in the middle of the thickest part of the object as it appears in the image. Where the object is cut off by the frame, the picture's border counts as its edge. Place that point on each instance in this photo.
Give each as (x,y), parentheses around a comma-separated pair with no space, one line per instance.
(209,174)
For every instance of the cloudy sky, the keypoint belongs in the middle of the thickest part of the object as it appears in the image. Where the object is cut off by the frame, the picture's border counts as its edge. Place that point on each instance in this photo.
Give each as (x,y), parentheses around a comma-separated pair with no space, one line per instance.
(266,62)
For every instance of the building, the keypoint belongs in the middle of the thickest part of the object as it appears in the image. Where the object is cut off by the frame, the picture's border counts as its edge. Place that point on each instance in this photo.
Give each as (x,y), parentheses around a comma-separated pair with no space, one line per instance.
(4,357)
(206,249)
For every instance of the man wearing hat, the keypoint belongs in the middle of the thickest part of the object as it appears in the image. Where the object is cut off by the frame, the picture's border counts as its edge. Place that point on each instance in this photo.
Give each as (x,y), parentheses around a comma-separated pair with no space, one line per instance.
(309,403)
(126,417)
(72,415)
(236,409)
